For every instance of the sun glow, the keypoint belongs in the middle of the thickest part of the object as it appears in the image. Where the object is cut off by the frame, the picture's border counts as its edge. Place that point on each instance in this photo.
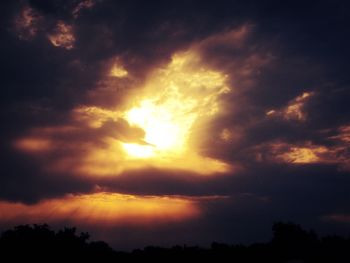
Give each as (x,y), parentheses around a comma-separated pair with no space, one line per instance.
(175,98)
(160,126)
(137,150)
(166,126)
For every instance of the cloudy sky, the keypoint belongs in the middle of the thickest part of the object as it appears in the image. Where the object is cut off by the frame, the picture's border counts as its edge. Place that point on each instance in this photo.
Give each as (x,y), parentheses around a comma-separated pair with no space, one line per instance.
(173,122)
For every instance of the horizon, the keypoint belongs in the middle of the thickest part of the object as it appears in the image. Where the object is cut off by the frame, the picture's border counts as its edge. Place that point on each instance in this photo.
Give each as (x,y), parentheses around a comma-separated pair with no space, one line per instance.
(290,243)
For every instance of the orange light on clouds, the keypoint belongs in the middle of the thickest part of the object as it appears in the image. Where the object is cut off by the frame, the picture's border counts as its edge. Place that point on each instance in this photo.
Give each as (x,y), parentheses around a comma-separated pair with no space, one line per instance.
(167,115)
(306,152)
(343,135)
(62,36)
(93,116)
(294,110)
(84,4)
(26,23)
(33,144)
(303,154)
(226,135)
(173,99)
(118,71)
(102,208)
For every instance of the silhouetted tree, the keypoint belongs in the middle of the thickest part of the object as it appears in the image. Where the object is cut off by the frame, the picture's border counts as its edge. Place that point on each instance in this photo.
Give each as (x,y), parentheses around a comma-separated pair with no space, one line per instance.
(290,243)
(39,241)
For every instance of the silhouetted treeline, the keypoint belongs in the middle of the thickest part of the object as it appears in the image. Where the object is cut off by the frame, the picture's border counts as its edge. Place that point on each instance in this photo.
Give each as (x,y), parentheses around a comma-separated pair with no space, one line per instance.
(290,243)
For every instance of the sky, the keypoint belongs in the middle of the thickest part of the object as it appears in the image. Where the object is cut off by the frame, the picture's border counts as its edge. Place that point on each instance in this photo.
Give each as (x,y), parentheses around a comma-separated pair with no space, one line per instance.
(175,122)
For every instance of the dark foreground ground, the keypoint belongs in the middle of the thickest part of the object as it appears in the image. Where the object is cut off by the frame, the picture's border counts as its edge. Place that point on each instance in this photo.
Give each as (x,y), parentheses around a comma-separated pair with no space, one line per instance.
(290,243)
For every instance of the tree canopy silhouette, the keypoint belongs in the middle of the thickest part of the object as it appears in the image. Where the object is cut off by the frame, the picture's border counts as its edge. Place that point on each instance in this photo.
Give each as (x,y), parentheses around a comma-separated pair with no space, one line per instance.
(290,243)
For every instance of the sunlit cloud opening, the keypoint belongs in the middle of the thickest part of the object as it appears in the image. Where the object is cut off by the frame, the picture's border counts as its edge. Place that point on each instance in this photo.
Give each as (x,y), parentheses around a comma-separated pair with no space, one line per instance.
(139,151)
(174,99)
(159,126)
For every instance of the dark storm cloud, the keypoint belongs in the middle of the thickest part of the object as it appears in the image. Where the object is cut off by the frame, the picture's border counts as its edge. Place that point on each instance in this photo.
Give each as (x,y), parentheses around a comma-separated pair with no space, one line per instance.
(22,179)
(256,201)
(41,83)
(272,52)
(282,186)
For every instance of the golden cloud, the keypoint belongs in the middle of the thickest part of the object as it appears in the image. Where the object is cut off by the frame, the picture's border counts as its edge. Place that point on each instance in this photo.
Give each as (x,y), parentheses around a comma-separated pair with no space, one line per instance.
(294,110)
(107,209)
(159,126)
(306,152)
